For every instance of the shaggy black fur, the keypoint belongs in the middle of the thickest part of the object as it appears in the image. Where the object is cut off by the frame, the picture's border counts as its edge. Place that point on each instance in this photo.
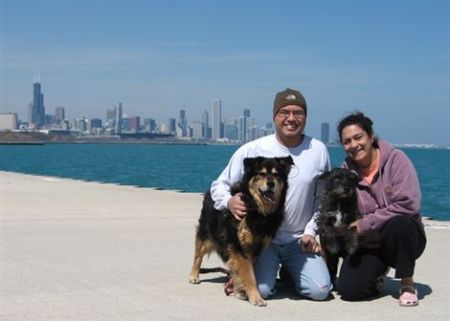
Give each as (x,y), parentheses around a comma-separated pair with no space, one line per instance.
(337,211)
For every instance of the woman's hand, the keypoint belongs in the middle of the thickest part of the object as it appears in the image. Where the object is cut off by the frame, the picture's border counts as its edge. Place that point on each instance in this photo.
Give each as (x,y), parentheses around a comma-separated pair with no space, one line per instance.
(355,224)
(309,244)
(237,206)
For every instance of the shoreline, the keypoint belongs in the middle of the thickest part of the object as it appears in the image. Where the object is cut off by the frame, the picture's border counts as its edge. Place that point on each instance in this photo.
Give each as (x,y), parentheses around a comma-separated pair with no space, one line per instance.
(32,138)
(427,219)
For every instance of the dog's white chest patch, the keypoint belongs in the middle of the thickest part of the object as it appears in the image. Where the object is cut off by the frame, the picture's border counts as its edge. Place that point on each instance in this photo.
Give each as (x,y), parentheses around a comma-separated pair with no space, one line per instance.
(338,215)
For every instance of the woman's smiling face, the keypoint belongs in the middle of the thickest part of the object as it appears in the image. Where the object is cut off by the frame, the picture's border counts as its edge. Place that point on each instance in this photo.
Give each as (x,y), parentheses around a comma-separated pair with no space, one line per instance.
(358,144)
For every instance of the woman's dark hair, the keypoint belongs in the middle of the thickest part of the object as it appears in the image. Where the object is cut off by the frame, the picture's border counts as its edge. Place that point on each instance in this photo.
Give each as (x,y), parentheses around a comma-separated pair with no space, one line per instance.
(356,118)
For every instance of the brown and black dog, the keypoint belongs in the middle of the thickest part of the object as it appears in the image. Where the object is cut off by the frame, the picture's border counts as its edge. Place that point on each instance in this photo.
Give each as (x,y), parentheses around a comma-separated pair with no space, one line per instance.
(263,186)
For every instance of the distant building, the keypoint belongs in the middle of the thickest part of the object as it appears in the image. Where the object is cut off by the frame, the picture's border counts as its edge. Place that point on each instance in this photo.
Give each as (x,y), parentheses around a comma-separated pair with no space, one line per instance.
(182,124)
(135,124)
(48,119)
(171,125)
(168,127)
(206,131)
(253,133)
(118,118)
(231,132)
(325,132)
(197,130)
(125,124)
(111,118)
(244,125)
(36,110)
(242,129)
(149,125)
(8,121)
(59,115)
(81,124)
(95,123)
(216,118)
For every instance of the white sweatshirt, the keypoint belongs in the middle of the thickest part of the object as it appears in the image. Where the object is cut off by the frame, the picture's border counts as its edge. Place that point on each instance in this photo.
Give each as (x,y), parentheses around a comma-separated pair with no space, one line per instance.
(311,159)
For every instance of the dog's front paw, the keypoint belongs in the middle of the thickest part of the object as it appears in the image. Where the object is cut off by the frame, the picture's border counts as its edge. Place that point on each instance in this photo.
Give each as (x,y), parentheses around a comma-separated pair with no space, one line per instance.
(257,301)
(351,243)
(194,279)
(351,248)
(241,295)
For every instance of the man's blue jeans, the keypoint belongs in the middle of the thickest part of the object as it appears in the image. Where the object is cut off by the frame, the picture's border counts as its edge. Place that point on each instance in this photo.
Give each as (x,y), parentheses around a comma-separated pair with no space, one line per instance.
(307,270)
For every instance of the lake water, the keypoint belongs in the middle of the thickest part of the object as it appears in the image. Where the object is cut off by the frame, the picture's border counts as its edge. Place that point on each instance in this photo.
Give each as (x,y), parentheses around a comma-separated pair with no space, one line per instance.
(190,168)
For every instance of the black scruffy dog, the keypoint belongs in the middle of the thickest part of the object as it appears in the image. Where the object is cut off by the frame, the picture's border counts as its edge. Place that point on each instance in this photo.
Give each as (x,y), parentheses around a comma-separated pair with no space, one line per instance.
(338,209)
(264,186)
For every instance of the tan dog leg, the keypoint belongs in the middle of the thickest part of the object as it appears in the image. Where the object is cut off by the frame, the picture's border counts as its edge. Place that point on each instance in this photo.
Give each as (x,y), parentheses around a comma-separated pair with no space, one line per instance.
(201,248)
(245,276)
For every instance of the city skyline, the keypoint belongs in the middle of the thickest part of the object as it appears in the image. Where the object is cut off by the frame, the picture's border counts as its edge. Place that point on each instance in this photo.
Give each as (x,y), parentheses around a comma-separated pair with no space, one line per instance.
(212,127)
(389,59)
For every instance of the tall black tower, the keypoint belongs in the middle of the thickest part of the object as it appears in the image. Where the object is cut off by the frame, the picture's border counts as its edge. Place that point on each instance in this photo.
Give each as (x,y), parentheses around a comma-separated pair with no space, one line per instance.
(37,107)
(325,132)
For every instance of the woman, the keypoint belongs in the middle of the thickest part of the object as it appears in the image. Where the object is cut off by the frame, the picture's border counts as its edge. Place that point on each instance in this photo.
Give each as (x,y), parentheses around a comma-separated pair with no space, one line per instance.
(390,229)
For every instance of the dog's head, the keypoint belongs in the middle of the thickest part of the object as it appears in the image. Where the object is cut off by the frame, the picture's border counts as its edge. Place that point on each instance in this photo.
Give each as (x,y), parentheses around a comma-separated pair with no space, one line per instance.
(339,203)
(340,183)
(266,181)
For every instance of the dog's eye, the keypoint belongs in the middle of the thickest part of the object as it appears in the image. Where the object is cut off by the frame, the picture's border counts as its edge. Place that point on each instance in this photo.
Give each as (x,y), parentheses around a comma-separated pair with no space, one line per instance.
(263,174)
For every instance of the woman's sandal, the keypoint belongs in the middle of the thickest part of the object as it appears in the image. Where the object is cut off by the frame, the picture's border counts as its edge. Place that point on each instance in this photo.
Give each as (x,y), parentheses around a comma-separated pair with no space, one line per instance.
(408,297)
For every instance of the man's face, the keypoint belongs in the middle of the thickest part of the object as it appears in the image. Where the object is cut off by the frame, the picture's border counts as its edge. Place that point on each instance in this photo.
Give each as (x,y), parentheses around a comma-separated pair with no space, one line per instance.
(290,121)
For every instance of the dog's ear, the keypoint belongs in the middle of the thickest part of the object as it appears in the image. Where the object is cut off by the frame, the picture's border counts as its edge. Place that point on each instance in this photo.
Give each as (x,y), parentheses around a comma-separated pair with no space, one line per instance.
(324,175)
(285,162)
(355,178)
(251,162)
(248,163)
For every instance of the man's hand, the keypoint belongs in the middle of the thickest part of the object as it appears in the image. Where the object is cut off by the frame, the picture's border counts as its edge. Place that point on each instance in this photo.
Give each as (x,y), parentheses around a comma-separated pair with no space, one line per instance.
(237,206)
(309,244)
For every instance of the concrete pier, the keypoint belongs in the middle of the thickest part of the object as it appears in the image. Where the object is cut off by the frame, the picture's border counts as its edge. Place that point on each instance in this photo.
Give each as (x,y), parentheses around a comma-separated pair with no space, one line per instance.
(75,250)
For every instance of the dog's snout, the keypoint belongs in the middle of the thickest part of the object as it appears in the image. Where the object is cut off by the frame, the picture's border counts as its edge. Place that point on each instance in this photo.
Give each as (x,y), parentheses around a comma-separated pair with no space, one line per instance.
(271,184)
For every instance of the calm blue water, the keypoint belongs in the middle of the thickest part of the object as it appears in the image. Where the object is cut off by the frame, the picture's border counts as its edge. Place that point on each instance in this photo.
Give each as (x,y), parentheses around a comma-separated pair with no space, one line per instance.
(190,168)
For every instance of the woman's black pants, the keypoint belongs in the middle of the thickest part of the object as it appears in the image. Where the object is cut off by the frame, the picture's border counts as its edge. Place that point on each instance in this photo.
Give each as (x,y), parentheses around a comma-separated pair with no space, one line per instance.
(403,241)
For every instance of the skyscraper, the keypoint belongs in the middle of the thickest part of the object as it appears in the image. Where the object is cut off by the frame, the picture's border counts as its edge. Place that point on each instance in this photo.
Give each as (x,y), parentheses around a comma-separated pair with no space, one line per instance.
(244,126)
(171,125)
(36,116)
(59,115)
(135,124)
(111,118)
(325,133)
(205,125)
(197,130)
(118,120)
(182,123)
(149,125)
(242,129)
(216,118)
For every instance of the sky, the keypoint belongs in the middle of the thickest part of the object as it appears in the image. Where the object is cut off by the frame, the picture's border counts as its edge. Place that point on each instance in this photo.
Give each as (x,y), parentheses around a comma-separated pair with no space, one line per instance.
(388,59)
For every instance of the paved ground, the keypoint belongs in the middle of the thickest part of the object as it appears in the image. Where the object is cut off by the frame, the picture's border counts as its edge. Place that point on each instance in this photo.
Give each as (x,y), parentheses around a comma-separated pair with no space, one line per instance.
(73,250)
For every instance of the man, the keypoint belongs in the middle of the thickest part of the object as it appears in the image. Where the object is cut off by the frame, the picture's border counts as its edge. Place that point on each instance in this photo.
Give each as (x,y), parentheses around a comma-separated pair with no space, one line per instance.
(294,245)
